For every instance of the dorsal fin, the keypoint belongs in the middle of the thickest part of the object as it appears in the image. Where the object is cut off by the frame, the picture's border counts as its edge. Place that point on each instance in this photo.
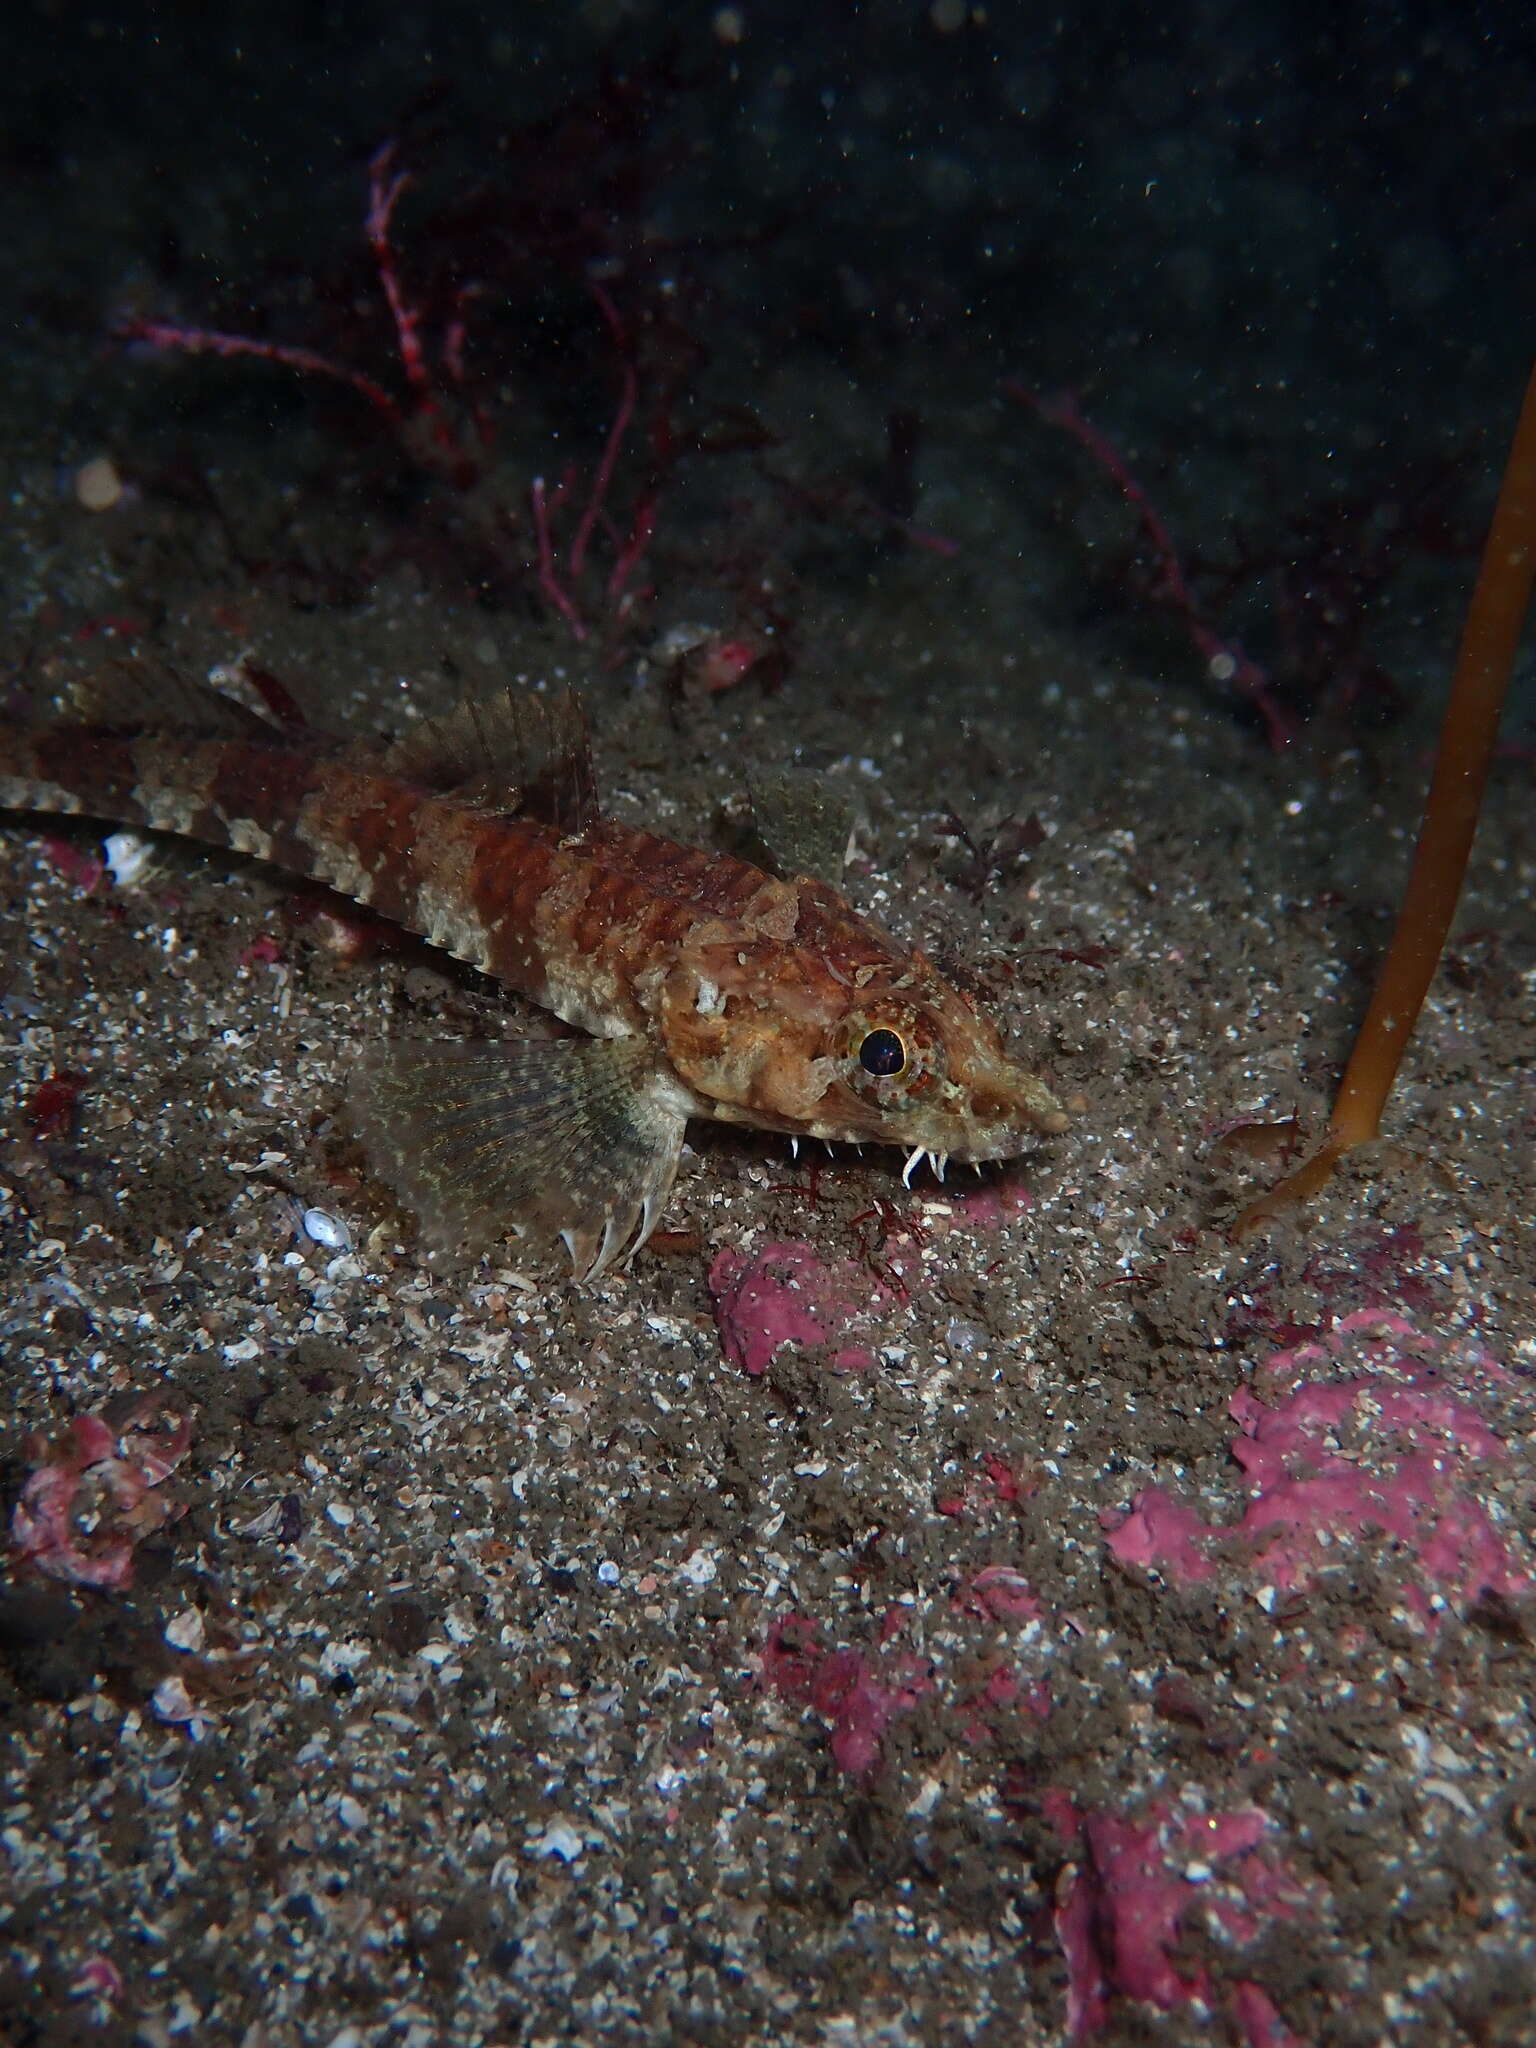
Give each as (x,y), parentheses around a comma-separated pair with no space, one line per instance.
(142,696)
(517,753)
(803,829)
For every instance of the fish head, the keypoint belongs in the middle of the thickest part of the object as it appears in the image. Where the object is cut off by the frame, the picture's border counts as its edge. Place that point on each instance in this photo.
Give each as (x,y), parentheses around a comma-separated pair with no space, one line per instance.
(931,1073)
(905,1059)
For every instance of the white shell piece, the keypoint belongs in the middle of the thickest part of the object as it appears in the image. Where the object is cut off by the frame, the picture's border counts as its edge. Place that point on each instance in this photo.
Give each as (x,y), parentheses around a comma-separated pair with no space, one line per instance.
(184,1631)
(327,1230)
(127,856)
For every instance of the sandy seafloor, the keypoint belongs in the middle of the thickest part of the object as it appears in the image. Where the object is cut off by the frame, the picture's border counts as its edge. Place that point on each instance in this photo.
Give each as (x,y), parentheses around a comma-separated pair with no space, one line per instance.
(1100,1631)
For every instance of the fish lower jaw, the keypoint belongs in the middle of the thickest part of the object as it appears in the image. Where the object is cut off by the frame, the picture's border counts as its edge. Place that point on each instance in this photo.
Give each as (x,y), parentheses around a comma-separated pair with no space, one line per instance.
(940,1142)
(938,1146)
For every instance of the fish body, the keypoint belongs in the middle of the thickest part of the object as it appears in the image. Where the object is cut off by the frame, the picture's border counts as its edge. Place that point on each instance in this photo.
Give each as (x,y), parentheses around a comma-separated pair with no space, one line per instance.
(706,985)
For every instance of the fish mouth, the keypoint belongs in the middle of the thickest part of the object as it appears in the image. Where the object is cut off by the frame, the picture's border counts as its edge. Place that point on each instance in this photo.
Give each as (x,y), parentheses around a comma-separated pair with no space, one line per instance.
(968,1141)
(996,1119)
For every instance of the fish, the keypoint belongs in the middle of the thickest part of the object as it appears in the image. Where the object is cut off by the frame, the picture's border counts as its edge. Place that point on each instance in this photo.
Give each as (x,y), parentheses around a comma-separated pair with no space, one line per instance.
(696,983)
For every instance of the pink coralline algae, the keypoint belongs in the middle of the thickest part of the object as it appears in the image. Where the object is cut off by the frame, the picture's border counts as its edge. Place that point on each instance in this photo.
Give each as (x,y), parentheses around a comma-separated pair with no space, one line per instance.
(1162,1532)
(75,864)
(990,1207)
(94,1494)
(857,1696)
(999,1593)
(97,1977)
(784,1294)
(1330,1458)
(1120,1916)
(1005,1695)
(997,1484)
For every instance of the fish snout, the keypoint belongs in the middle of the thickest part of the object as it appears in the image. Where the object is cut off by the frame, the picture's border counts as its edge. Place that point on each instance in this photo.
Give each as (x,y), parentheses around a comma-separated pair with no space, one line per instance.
(1013,1108)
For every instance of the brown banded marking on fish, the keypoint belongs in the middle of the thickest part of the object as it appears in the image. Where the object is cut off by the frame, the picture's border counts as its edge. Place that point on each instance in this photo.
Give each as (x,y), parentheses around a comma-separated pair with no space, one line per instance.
(42,771)
(218,792)
(406,855)
(709,987)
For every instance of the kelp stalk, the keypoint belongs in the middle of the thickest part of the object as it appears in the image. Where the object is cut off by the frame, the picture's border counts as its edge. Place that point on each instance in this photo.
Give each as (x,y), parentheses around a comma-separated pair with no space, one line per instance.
(1489,642)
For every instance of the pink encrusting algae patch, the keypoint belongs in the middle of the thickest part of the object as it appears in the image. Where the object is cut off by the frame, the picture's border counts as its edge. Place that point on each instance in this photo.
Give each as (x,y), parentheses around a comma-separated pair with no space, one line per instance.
(1329,1460)
(786,1294)
(1161,1532)
(999,1593)
(76,864)
(858,1696)
(94,1494)
(1004,1690)
(97,1977)
(1121,1916)
(988,1207)
(996,1484)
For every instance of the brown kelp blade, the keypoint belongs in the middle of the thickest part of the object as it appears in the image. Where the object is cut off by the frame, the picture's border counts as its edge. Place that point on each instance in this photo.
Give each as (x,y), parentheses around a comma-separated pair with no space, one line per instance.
(1485,661)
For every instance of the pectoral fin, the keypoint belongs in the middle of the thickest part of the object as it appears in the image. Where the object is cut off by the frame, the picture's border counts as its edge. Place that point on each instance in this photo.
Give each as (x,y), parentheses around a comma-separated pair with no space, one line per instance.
(568,1138)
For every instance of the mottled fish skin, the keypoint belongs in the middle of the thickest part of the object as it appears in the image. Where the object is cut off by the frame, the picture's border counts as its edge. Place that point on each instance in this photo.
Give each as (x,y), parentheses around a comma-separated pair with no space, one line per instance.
(755,995)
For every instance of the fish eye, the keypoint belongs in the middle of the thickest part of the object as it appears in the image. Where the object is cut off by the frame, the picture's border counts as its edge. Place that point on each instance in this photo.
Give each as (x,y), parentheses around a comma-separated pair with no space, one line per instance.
(882,1052)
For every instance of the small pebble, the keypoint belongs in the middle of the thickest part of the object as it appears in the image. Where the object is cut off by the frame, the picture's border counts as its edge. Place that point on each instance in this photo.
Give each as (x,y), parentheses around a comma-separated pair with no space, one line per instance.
(172,1702)
(699,1569)
(559,1839)
(98,484)
(184,1631)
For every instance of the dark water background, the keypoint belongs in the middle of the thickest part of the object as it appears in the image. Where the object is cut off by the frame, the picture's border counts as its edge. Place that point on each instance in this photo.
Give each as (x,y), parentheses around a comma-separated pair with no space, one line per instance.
(1282,255)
